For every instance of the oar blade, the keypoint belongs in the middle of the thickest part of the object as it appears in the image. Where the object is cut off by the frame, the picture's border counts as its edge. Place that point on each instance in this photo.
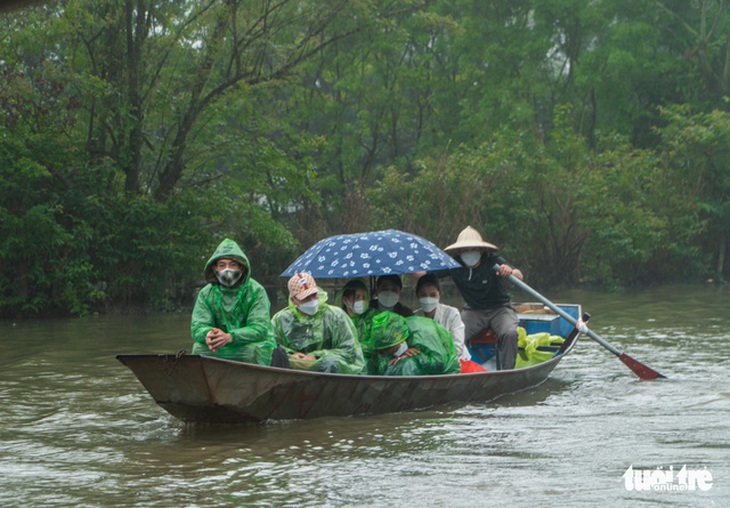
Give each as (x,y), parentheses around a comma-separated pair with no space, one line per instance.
(639,368)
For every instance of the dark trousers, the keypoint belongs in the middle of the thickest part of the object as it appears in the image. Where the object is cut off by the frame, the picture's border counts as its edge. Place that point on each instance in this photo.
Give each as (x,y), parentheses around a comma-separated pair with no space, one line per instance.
(280,358)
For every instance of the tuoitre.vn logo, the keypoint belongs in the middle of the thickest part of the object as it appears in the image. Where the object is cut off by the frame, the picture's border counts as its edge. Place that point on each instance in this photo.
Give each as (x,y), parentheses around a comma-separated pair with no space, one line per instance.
(666,480)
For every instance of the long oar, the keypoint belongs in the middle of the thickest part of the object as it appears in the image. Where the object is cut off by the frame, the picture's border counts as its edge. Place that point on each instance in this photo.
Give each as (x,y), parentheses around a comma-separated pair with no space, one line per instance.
(639,368)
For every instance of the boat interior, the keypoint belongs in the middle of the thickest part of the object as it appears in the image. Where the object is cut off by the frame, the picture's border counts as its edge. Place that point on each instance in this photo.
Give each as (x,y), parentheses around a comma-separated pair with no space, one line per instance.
(535,347)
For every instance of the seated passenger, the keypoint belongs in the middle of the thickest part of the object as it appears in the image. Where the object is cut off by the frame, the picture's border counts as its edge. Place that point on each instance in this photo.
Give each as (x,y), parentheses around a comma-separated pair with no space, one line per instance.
(428,291)
(388,290)
(411,347)
(231,317)
(354,300)
(317,336)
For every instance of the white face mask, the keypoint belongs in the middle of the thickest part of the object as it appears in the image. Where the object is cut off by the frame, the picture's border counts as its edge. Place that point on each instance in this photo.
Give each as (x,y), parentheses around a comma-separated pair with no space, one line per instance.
(471,257)
(388,299)
(358,307)
(310,308)
(401,349)
(228,276)
(428,304)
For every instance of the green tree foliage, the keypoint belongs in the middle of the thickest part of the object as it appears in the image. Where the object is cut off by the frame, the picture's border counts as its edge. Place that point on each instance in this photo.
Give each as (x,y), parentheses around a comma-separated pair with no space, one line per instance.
(157,72)
(700,33)
(369,101)
(589,140)
(695,154)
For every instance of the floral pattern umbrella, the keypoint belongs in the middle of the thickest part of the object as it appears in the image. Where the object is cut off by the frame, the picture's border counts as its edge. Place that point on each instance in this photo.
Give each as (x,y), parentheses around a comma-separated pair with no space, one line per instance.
(371,254)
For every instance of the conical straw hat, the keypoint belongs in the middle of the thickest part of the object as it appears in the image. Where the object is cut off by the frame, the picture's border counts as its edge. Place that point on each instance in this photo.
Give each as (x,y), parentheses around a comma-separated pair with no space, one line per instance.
(470,238)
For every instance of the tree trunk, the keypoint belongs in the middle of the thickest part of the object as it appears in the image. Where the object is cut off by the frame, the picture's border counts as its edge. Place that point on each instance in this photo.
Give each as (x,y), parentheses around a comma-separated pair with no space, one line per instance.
(136,35)
(721,250)
(174,168)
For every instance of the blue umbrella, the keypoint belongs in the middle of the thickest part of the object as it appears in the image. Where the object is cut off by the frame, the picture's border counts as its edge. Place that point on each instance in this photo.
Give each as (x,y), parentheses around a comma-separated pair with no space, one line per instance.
(371,254)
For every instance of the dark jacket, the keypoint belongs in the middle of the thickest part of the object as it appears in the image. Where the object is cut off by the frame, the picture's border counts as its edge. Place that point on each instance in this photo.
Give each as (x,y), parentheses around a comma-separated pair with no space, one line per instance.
(481,287)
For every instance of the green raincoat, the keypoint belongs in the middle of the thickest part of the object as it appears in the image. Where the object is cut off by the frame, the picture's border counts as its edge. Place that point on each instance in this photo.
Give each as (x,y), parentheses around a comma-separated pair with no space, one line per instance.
(329,335)
(437,354)
(242,310)
(363,321)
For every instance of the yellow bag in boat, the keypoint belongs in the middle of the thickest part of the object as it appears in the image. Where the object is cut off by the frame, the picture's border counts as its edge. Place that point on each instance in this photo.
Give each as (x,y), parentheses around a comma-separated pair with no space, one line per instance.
(533,349)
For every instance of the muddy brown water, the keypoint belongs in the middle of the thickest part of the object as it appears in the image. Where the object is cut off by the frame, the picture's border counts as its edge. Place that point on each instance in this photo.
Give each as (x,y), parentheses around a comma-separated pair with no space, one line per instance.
(79,430)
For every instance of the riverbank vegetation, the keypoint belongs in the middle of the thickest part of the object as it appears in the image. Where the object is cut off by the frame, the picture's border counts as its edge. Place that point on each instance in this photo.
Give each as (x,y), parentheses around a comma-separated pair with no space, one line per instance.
(591,141)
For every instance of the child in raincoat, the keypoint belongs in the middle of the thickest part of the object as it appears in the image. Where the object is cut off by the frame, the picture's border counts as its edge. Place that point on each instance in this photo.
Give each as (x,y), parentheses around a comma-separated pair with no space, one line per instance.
(231,314)
(317,336)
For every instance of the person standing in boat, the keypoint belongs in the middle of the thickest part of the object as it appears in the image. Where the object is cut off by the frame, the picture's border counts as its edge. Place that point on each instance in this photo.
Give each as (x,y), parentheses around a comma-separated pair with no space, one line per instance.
(487,301)
(315,335)
(389,289)
(414,346)
(428,292)
(354,300)
(231,317)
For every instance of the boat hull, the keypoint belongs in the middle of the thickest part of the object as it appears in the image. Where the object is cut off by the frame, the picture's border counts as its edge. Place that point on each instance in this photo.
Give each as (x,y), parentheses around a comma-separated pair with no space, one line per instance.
(203,389)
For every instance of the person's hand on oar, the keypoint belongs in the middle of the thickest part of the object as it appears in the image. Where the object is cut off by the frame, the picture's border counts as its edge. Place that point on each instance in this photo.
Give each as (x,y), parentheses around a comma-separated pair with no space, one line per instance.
(506,270)
(639,368)
(581,326)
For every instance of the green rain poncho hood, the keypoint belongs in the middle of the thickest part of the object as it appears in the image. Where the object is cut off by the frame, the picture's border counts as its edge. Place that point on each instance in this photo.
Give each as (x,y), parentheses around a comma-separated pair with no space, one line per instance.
(387,330)
(242,310)
(329,335)
(437,352)
(230,250)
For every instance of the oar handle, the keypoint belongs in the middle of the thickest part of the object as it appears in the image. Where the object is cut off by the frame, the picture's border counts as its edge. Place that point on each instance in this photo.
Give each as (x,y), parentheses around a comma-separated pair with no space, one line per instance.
(560,312)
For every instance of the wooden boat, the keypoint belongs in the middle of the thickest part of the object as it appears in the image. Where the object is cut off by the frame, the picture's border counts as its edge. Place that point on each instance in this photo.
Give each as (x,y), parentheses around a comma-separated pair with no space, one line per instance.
(203,389)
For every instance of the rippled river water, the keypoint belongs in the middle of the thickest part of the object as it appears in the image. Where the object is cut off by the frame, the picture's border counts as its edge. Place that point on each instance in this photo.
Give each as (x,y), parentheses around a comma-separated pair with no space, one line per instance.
(79,430)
